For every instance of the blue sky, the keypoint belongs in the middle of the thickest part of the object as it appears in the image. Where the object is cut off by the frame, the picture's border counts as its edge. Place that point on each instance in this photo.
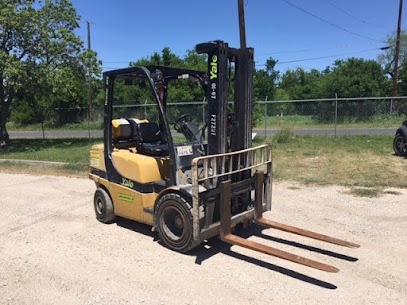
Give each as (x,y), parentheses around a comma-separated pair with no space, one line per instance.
(291,31)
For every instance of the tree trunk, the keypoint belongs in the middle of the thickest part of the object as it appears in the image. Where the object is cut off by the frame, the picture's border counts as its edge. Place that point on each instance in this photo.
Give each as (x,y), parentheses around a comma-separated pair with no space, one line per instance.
(4,137)
(4,108)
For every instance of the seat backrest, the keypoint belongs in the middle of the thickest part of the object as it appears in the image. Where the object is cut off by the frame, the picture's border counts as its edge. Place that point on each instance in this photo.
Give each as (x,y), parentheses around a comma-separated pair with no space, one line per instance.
(149,132)
(191,131)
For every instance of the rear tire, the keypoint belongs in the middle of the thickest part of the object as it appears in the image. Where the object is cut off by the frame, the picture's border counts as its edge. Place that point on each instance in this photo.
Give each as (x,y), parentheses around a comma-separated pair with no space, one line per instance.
(400,145)
(103,206)
(173,220)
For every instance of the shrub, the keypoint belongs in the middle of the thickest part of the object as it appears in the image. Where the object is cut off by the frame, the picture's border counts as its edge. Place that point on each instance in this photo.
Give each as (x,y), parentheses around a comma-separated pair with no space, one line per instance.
(285,135)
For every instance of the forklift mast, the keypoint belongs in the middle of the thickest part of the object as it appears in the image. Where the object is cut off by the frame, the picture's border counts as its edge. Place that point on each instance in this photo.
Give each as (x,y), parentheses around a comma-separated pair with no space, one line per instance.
(228,132)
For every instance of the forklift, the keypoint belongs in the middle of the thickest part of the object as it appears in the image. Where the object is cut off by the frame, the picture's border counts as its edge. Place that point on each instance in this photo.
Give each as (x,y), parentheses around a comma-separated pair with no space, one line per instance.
(189,182)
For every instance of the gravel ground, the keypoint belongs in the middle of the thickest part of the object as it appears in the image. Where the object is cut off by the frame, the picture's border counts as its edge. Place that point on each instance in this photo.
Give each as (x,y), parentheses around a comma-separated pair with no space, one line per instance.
(54,251)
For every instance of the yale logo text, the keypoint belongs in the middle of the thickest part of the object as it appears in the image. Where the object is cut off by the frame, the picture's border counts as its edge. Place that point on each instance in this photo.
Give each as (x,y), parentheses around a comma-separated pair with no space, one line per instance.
(214,67)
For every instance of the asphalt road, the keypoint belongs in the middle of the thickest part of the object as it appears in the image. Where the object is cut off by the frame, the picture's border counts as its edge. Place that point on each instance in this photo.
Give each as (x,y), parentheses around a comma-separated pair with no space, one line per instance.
(99,134)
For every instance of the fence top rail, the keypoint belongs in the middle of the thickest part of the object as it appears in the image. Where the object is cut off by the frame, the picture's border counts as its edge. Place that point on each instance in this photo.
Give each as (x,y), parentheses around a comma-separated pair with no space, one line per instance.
(342,99)
(335,99)
(339,99)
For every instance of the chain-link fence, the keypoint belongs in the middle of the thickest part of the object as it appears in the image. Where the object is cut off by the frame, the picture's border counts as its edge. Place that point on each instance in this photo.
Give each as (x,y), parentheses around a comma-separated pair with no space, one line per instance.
(321,116)
(332,116)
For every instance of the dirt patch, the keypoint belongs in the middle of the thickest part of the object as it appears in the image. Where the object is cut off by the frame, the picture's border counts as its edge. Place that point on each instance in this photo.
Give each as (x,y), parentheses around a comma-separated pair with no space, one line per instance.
(53,251)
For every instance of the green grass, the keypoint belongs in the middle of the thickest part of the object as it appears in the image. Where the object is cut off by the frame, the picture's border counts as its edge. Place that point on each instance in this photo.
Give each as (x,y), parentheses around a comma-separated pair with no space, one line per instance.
(356,162)
(272,122)
(352,161)
(60,150)
(365,192)
(75,152)
(96,125)
(307,122)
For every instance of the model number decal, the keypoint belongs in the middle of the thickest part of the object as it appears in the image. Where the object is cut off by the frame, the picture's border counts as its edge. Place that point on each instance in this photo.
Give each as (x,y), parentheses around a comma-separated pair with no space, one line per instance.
(127,182)
(184,150)
(127,198)
(213,91)
(213,124)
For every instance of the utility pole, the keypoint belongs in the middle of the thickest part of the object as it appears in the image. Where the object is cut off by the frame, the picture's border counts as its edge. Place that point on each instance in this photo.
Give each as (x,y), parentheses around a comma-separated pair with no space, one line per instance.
(242,26)
(90,95)
(396,59)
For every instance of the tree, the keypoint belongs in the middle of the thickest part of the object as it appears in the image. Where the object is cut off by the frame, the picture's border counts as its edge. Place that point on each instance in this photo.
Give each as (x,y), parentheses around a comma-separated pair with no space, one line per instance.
(402,88)
(264,83)
(265,80)
(180,91)
(36,34)
(354,77)
(195,61)
(387,59)
(300,84)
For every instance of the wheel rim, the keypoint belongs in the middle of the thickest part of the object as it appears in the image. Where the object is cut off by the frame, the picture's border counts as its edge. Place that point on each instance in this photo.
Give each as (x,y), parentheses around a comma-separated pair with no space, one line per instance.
(174,225)
(99,206)
(401,145)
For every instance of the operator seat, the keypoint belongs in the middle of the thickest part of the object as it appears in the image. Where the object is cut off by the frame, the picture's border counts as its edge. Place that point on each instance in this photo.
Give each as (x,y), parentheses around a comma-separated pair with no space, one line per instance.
(150,140)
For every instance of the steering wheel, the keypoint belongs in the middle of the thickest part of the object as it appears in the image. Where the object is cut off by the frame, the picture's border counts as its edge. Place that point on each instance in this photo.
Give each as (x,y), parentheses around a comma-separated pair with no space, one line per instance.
(182,119)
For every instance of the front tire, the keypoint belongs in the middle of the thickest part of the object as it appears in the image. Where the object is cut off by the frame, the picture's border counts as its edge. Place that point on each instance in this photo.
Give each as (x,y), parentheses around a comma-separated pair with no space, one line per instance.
(173,220)
(400,145)
(103,206)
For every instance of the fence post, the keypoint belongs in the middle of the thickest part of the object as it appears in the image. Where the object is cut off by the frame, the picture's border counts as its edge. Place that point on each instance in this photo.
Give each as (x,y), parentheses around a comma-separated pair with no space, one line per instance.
(391,106)
(203,110)
(336,113)
(265,118)
(89,118)
(42,128)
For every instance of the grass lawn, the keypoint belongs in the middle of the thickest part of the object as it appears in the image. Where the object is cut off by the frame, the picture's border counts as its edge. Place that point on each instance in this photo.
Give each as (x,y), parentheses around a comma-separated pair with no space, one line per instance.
(354,161)
(307,122)
(358,162)
(272,122)
(75,152)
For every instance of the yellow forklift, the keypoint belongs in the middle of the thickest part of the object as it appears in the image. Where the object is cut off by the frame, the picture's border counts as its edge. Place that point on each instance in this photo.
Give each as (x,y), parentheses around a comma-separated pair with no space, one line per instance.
(203,185)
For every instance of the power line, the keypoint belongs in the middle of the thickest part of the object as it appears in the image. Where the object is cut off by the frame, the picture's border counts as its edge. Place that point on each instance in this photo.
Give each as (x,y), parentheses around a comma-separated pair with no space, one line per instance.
(353,16)
(321,57)
(327,21)
(117,62)
(347,13)
(307,50)
(295,51)
(278,63)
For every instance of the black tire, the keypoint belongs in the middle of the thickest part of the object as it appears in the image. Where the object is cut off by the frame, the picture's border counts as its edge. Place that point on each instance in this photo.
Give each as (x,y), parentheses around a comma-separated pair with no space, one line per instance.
(103,206)
(173,220)
(400,145)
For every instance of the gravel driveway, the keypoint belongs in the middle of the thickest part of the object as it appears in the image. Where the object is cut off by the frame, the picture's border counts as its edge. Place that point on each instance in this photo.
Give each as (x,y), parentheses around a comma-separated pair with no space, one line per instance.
(53,251)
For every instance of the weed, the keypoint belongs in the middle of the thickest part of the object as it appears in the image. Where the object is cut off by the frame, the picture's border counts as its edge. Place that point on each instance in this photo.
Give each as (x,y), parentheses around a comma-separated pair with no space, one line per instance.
(365,192)
(285,135)
(392,193)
